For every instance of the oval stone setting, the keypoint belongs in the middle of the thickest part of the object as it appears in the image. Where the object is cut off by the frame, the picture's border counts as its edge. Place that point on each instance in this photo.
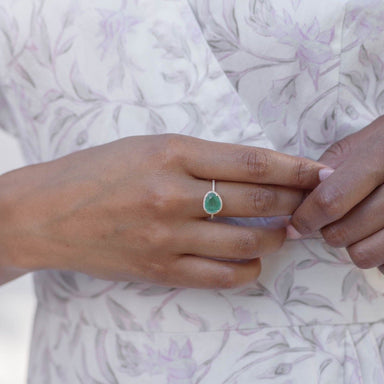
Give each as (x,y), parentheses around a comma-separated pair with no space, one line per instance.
(212,203)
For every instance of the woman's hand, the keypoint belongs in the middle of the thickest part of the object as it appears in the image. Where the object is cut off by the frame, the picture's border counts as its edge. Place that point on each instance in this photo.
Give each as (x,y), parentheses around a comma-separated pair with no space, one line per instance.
(348,206)
(133,210)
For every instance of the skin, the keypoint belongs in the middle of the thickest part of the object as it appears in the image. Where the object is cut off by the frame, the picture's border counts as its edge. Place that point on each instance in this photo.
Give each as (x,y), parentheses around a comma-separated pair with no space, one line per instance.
(132,210)
(348,206)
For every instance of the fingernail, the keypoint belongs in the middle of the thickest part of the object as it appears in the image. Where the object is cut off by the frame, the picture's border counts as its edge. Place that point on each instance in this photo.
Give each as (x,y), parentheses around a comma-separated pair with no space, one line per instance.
(325,172)
(292,233)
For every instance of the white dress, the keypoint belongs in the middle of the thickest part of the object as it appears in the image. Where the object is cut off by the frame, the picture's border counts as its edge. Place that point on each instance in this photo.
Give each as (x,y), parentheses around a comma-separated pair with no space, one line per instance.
(293,75)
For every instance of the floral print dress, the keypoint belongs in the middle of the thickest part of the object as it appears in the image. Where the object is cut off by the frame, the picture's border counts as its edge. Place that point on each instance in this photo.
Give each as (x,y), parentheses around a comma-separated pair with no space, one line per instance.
(293,75)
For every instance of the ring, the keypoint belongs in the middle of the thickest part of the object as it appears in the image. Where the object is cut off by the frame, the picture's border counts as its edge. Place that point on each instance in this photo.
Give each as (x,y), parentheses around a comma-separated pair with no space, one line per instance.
(212,202)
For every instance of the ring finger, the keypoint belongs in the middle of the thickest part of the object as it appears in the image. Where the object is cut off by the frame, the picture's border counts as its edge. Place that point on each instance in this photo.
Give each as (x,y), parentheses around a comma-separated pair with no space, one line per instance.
(245,200)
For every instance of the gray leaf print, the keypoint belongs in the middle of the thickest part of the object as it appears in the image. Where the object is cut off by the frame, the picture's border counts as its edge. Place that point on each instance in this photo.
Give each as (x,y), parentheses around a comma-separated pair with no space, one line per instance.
(178,77)
(363,56)
(324,365)
(102,358)
(129,356)
(193,318)
(82,90)
(378,66)
(123,318)
(360,82)
(284,282)
(155,290)
(65,47)
(230,18)
(312,300)
(24,74)
(156,123)
(275,341)
(253,291)
(354,284)
(283,369)
(306,264)
(350,288)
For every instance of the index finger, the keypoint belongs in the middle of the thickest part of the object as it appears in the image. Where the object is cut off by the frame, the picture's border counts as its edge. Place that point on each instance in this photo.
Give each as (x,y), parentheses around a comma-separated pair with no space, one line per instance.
(241,163)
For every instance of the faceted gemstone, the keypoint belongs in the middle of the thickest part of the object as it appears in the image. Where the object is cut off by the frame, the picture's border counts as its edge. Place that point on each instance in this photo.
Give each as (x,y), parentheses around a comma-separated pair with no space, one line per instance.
(212,203)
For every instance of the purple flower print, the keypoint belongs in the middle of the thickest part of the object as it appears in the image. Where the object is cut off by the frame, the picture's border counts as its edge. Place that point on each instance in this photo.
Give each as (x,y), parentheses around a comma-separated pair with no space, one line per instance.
(179,364)
(114,26)
(365,18)
(314,50)
(312,47)
(246,320)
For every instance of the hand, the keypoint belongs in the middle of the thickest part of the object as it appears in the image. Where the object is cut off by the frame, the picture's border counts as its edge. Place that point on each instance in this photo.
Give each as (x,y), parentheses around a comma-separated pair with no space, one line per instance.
(348,206)
(132,210)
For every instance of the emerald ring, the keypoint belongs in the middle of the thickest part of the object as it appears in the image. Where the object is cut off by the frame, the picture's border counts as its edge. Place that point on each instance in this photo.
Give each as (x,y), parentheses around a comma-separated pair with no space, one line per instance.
(212,202)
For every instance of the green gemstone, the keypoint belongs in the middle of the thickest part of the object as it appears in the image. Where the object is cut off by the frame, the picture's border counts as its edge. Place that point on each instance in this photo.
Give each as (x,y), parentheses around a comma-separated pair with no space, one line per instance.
(212,203)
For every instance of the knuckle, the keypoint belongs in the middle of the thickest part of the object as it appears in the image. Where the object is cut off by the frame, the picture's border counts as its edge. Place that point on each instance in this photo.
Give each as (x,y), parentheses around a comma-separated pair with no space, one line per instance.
(157,272)
(303,170)
(160,237)
(335,235)
(247,245)
(170,149)
(261,200)
(329,202)
(162,199)
(256,162)
(360,256)
(341,148)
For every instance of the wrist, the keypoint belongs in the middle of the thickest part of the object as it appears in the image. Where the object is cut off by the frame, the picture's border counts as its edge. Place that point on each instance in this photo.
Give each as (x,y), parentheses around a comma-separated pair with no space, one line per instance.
(17,246)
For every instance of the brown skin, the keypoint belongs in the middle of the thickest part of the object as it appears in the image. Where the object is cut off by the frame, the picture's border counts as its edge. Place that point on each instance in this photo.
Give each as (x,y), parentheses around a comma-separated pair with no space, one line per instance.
(348,206)
(132,210)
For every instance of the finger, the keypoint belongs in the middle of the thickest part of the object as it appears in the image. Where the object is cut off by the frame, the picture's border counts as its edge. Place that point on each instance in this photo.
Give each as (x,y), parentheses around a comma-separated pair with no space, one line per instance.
(245,200)
(368,253)
(233,162)
(337,153)
(212,239)
(359,223)
(352,182)
(199,272)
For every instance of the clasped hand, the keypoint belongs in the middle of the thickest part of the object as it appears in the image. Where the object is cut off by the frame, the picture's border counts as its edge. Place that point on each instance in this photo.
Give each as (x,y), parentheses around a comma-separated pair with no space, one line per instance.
(348,206)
